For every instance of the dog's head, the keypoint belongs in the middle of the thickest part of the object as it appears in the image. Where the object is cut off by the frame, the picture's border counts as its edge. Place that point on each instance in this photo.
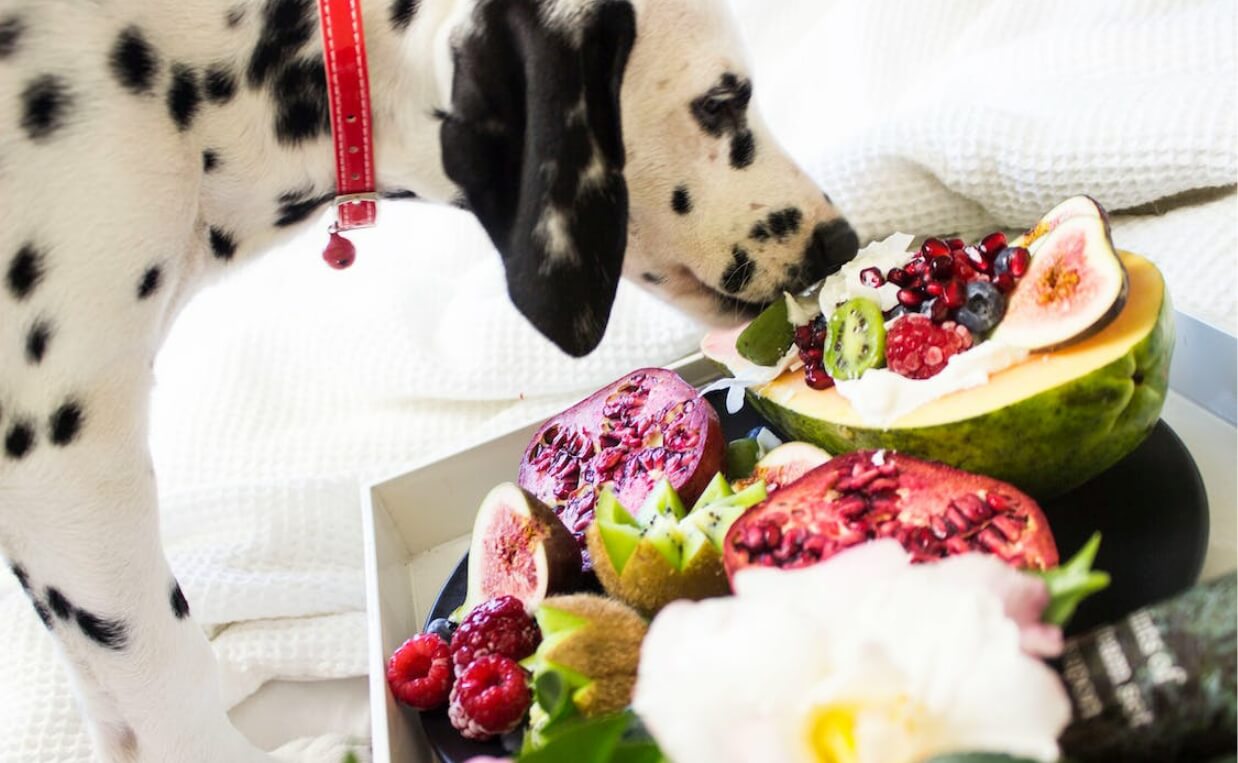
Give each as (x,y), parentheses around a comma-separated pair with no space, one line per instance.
(598,137)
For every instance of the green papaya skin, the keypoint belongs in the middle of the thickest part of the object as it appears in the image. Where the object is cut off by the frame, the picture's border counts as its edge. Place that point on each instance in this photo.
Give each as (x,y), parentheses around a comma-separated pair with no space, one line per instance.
(1047,444)
(1159,685)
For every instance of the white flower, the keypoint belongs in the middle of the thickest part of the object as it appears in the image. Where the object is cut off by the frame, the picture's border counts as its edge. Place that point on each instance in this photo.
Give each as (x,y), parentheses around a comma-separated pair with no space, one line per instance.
(862,659)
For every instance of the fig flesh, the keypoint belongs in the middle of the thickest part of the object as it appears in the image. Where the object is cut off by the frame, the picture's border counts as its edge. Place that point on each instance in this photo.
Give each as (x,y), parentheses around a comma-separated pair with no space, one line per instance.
(1075,285)
(519,548)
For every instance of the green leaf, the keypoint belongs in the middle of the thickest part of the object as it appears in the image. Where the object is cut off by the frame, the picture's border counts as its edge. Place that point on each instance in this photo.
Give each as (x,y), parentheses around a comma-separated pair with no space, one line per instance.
(551,691)
(1072,582)
(592,741)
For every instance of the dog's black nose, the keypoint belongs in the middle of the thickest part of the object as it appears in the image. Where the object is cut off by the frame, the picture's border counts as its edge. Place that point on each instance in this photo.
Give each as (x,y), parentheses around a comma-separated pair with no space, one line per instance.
(832,245)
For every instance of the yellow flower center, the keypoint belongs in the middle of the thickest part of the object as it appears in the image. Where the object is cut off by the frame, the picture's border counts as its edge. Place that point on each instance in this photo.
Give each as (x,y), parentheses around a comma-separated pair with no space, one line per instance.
(831,734)
(899,723)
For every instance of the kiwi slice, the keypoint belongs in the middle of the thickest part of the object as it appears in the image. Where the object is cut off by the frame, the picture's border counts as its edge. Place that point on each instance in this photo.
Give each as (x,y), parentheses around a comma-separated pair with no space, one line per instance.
(768,337)
(857,339)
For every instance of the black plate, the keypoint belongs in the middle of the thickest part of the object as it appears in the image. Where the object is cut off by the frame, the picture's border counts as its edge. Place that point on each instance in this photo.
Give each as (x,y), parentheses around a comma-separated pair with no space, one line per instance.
(1151,508)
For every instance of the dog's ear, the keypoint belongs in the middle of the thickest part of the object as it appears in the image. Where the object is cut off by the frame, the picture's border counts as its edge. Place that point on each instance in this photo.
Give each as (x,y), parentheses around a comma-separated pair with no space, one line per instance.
(534,140)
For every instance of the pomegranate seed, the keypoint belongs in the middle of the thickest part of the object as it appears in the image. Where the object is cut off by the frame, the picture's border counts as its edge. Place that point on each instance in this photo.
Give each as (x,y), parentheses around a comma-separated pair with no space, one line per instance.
(898,277)
(916,268)
(942,268)
(955,294)
(1020,258)
(1009,526)
(933,288)
(978,260)
(939,527)
(933,247)
(803,334)
(956,520)
(992,244)
(909,298)
(997,502)
(817,377)
(1004,283)
(955,243)
(938,311)
(964,271)
(973,508)
(812,357)
(991,539)
(871,277)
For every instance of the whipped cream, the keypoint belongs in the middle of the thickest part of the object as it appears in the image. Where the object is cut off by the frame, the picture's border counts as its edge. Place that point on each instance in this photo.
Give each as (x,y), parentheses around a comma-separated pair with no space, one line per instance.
(881,397)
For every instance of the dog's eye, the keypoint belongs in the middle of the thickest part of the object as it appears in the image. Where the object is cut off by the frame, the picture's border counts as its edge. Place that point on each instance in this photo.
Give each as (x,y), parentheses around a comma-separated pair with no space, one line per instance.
(712,105)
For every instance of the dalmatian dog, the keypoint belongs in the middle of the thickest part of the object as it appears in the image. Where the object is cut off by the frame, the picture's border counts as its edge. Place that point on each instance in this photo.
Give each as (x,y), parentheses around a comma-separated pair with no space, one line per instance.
(149,147)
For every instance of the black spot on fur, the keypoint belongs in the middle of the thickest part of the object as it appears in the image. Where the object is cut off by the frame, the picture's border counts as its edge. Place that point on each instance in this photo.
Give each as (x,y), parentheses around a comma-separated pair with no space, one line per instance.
(785,222)
(25,271)
(42,612)
(296,206)
(759,232)
(150,281)
(36,342)
(110,634)
(653,278)
(19,440)
(45,100)
(302,109)
(222,244)
(58,603)
(287,25)
(210,160)
(681,201)
(180,606)
(398,194)
(11,29)
(739,273)
(722,110)
(743,149)
(65,423)
(184,97)
(234,17)
(133,61)
(219,83)
(23,579)
(402,12)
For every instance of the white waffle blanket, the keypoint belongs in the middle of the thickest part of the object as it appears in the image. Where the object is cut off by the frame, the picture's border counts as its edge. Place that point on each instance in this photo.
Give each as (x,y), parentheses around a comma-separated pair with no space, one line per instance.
(283,390)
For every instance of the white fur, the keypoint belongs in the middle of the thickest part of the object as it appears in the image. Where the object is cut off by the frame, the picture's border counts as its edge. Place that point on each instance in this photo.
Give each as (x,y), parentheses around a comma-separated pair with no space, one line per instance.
(119,189)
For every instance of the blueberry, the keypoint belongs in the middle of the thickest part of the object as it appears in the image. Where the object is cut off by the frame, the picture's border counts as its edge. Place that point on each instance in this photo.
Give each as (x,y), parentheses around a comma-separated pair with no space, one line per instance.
(442,628)
(985,306)
(513,740)
(1002,263)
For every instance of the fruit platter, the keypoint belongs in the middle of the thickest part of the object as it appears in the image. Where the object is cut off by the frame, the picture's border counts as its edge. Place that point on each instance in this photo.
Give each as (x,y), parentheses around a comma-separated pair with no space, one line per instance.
(847,497)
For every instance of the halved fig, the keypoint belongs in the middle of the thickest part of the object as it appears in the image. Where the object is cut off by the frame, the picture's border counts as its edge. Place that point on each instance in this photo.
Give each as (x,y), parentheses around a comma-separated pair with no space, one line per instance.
(784,465)
(1075,206)
(647,426)
(519,548)
(932,509)
(1075,285)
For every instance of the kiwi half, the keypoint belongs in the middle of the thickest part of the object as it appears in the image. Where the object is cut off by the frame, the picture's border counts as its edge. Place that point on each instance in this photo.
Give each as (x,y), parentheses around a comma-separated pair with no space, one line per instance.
(663,552)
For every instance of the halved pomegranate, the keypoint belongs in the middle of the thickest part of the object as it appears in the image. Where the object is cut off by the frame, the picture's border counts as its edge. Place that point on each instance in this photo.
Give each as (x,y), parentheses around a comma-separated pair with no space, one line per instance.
(630,434)
(932,509)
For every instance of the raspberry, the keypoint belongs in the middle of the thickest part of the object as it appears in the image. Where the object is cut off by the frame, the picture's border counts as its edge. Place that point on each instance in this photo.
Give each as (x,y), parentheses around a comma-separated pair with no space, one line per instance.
(490,697)
(917,348)
(498,626)
(419,672)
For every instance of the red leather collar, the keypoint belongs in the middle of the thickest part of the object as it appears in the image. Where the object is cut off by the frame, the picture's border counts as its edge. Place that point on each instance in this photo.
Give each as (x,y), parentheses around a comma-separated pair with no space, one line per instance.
(348,88)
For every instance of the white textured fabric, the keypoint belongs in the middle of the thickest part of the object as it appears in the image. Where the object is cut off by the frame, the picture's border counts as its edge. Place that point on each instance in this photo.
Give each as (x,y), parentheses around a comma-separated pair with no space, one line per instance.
(283,390)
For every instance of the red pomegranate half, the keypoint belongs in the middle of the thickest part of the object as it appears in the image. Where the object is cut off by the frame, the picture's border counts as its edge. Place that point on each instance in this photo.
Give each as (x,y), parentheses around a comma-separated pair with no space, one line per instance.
(932,509)
(630,434)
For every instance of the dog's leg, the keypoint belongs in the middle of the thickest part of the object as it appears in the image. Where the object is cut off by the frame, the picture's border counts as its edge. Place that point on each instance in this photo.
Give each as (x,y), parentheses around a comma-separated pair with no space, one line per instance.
(101,241)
